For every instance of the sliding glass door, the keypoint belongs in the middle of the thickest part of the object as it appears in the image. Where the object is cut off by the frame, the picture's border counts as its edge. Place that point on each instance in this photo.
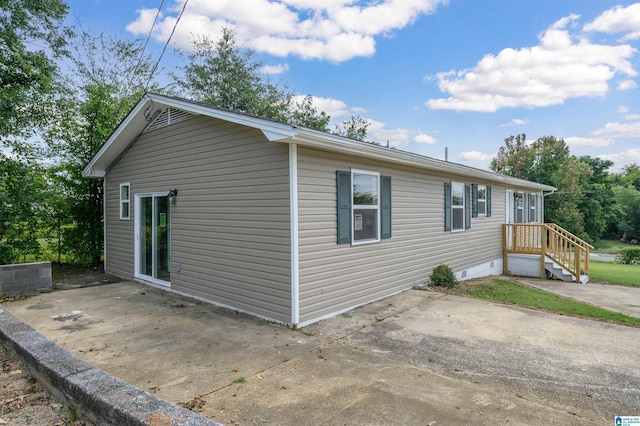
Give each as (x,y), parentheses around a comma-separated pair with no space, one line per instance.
(154,239)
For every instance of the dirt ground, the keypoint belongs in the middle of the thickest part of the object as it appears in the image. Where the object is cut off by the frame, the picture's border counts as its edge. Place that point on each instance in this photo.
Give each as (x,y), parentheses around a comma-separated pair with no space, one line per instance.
(23,401)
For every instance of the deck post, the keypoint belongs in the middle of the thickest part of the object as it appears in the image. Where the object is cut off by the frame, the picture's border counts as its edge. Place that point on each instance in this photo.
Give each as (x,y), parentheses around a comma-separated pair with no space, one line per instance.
(505,254)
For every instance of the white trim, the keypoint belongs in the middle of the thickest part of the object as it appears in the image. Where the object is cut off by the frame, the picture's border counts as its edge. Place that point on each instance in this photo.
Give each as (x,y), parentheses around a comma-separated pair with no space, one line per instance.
(121,201)
(136,241)
(376,207)
(136,121)
(484,269)
(293,215)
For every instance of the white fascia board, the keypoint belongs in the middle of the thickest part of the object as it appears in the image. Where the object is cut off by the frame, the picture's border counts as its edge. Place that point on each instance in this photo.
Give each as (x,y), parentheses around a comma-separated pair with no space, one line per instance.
(129,128)
(273,130)
(320,140)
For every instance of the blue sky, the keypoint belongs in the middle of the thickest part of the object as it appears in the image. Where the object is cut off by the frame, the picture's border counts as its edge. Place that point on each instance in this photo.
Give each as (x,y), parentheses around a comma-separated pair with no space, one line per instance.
(430,74)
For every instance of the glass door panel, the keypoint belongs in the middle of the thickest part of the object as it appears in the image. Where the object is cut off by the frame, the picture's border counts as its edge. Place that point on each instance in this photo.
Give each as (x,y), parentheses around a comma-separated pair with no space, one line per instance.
(155,237)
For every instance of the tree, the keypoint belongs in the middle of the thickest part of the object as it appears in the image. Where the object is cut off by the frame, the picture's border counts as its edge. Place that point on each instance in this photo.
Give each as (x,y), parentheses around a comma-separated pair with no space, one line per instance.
(224,74)
(22,189)
(514,159)
(93,103)
(548,161)
(354,128)
(598,200)
(29,32)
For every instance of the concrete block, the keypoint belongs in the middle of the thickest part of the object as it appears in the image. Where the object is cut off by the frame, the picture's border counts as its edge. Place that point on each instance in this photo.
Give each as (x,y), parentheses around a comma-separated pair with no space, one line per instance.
(6,276)
(27,273)
(15,287)
(40,284)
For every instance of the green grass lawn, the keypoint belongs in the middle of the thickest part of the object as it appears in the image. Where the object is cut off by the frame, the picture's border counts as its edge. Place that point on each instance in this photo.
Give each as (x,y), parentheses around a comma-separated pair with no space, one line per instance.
(609,246)
(615,273)
(513,293)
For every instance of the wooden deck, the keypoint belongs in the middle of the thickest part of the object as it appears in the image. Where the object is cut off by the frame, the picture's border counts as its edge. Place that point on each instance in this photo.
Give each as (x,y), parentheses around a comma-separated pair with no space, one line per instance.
(552,243)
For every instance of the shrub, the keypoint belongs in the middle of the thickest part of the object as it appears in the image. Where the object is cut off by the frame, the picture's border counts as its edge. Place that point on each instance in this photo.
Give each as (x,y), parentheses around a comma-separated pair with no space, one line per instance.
(629,256)
(443,276)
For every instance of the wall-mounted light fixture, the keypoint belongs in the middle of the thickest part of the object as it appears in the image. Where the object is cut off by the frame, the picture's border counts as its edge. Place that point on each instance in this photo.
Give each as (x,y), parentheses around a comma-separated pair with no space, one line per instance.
(172,196)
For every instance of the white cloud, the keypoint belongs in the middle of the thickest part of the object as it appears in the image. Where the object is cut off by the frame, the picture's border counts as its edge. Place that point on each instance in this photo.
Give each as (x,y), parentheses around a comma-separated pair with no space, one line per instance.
(557,69)
(275,69)
(623,109)
(425,139)
(575,141)
(618,19)
(621,159)
(476,156)
(515,122)
(335,108)
(378,132)
(632,117)
(335,30)
(619,130)
(626,85)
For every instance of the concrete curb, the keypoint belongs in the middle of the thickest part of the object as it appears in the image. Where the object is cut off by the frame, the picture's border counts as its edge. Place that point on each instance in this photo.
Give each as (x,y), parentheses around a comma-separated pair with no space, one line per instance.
(98,397)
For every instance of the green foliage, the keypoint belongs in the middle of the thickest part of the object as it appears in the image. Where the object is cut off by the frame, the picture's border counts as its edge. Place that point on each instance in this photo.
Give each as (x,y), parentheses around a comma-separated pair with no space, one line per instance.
(26,74)
(22,195)
(628,256)
(90,107)
(354,128)
(443,276)
(583,204)
(224,74)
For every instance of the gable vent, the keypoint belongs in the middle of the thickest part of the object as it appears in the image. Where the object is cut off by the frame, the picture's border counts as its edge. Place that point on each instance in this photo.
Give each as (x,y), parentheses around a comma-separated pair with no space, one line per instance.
(168,117)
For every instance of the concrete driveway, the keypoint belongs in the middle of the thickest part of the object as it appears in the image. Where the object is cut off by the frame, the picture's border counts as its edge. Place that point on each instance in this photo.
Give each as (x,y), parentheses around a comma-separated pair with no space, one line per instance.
(420,357)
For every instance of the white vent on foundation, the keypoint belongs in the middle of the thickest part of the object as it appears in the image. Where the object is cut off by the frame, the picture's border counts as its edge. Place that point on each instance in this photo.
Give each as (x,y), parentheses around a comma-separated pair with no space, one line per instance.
(168,117)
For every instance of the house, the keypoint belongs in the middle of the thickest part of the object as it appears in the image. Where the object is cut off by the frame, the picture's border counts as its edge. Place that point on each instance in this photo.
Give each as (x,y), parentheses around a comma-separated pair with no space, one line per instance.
(287,223)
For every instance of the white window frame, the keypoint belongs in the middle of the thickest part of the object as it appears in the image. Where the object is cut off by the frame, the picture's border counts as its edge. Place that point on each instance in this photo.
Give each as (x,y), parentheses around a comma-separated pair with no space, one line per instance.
(125,202)
(482,200)
(376,207)
(519,200)
(533,206)
(458,207)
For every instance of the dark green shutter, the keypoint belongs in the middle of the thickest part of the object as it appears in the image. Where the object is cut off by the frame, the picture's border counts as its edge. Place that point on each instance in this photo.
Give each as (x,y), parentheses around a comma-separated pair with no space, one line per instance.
(488,201)
(467,207)
(447,206)
(474,206)
(385,206)
(343,188)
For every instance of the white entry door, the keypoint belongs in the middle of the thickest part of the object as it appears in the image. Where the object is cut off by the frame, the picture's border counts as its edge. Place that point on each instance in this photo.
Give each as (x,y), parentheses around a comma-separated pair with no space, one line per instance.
(508,203)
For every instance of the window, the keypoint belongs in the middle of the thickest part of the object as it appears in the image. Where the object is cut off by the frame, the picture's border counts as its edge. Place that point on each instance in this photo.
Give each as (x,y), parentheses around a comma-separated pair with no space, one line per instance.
(457,209)
(125,210)
(457,206)
(533,207)
(481,200)
(519,207)
(364,206)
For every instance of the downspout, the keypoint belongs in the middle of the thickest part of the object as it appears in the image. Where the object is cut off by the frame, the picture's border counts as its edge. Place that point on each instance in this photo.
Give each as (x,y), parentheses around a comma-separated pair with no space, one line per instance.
(104,223)
(293,219)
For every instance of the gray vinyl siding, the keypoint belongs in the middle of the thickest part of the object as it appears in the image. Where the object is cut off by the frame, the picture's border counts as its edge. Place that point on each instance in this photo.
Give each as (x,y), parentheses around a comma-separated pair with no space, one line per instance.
(336,277)
(230,227)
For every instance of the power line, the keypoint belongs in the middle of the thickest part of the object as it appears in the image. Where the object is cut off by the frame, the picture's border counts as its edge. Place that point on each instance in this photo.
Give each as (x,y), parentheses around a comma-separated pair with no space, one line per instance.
(144,48)
(184,6)
(146,42)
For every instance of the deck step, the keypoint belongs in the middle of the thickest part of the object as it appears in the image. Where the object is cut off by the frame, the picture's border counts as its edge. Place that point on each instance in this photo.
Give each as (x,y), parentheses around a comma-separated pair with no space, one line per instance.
(561,273)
